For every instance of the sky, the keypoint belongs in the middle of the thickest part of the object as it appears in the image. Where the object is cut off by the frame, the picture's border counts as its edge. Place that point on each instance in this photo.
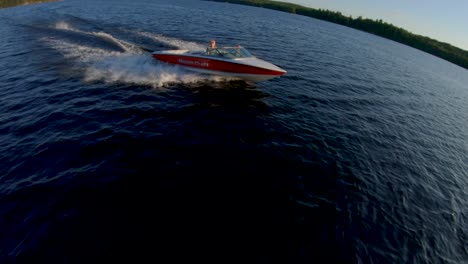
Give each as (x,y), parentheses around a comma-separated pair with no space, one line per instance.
(446,21)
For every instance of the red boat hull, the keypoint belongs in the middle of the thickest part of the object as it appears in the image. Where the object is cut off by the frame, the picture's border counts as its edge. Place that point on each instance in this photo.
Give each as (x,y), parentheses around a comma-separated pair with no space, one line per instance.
(215,65)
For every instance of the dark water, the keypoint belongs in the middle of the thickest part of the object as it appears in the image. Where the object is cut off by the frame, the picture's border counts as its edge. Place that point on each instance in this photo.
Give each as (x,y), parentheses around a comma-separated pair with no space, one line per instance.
(358,155)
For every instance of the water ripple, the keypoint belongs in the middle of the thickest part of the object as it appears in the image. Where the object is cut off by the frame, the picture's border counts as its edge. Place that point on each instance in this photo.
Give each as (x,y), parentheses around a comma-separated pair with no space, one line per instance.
(357,155)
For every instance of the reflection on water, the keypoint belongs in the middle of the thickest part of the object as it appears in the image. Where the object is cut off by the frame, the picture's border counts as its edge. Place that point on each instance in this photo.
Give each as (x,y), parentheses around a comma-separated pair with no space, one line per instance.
(11,3)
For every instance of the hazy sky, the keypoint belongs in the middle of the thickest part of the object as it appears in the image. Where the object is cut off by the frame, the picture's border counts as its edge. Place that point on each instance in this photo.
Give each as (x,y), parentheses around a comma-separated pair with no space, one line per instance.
(446,21)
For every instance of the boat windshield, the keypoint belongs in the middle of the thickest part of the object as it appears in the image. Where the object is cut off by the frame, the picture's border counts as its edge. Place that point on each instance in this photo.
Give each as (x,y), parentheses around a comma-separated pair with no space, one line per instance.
(229,52)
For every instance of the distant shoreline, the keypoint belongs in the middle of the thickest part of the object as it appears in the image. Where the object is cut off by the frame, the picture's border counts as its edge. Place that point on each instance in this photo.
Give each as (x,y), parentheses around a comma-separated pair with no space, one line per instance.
(13,3)
(377,27)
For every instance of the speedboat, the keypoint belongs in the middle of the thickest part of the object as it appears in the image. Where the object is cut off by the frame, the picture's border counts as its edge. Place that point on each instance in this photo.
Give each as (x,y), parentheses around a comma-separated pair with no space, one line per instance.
(235,62)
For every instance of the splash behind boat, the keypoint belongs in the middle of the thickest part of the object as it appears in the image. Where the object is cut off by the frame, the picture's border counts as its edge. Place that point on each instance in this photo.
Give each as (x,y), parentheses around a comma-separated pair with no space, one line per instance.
(227,61)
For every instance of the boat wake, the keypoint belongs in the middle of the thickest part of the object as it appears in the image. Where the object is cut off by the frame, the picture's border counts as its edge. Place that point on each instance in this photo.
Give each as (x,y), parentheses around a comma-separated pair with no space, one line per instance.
(122,62)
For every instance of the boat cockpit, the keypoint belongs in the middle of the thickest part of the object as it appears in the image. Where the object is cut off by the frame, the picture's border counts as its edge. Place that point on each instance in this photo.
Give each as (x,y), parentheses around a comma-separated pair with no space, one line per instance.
(229,52)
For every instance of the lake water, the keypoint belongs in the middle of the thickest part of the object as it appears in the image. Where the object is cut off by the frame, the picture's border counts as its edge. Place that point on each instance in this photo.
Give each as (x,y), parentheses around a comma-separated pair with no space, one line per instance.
(359,154)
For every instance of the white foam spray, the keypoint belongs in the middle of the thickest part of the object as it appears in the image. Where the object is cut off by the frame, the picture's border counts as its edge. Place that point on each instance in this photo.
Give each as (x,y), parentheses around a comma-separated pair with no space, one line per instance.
(137,69)
(63,25)
(124,45)
(129,67)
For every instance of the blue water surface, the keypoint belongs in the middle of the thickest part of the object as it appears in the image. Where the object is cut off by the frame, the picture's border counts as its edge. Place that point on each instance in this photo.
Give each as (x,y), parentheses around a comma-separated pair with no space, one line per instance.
(359,154)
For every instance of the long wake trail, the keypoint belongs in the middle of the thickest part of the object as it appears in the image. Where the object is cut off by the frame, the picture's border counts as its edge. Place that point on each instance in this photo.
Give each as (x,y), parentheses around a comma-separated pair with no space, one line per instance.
(132,66)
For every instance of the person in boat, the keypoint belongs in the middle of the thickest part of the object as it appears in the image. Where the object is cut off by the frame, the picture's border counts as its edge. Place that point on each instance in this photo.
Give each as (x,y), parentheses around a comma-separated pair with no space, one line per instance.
(238,50)
(212,49)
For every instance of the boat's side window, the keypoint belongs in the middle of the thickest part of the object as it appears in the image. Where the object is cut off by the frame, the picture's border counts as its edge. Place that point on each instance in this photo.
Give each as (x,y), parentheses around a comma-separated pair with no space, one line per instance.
(244,53)
(237,52)
(213,52)
(231,53)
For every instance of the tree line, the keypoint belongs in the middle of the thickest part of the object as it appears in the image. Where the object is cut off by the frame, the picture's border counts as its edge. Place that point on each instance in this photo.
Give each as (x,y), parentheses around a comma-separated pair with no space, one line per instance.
(12,3)
(377,27)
